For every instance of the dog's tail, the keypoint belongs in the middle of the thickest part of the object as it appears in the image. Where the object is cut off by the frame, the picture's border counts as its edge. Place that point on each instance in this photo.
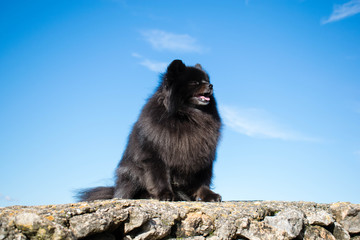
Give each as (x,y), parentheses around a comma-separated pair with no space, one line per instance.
(95,194)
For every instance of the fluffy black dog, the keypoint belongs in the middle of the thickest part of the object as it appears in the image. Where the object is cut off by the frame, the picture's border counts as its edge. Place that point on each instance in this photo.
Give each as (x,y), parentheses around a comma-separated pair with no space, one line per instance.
(172,146)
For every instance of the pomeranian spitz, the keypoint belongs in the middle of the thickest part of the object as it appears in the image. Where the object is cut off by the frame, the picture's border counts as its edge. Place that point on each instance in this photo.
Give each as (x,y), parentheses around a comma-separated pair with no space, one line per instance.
(172,146)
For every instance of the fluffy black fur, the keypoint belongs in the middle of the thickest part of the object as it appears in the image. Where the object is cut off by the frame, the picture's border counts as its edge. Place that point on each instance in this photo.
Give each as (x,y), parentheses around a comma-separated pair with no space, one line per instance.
(172,146)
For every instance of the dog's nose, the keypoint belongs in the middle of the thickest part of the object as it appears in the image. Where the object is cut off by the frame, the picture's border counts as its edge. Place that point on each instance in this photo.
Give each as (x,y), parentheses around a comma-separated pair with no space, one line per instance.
(210,86)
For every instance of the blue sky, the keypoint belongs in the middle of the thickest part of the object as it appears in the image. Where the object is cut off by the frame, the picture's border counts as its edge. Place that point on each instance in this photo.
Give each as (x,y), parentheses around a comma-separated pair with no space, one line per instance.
(75,74)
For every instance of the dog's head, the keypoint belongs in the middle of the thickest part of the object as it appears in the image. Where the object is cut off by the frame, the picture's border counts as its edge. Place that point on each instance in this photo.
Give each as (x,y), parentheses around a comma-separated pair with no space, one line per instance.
(187,86)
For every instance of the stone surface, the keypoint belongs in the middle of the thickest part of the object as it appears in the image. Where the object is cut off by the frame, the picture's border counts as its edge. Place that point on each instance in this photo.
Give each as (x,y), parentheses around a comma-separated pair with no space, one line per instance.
(340,233)
(317,233)
(151,219)
(348,216)
(322,218)
(289,221)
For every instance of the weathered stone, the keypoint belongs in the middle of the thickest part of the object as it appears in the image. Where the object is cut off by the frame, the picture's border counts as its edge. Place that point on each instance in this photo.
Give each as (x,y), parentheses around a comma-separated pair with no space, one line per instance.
(320,217)
(137,218)
(151,219)
(35,227)
(152,229)
(196,224)
(348,215)
(290,221)
(101,221)
(260,231)
(226,229)
(29,223)
(317,233)
(340,233)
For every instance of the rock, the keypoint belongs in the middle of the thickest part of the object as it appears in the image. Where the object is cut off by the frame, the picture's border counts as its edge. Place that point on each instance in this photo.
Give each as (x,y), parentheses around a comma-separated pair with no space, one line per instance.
(320,217)
(317,233)
(151,219)
(102,220)
(39,227)
(255,230)
(348,215)
(340,233)
(137,219)
(289,221)
(195,224)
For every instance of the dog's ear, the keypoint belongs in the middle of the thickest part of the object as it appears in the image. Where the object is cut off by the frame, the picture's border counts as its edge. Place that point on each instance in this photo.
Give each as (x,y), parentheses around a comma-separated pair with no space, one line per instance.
(176,66)
(198,66)
(174,70)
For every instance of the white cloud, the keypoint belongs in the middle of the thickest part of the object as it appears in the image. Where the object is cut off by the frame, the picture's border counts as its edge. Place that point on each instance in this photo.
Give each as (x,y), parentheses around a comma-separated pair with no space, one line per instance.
(152,65)
(6,198)
(161,40)
(136,55)
(343,11)
(257,123)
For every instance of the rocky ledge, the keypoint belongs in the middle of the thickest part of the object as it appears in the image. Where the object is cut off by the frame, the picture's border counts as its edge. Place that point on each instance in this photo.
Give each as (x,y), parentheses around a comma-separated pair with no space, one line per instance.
(150,219)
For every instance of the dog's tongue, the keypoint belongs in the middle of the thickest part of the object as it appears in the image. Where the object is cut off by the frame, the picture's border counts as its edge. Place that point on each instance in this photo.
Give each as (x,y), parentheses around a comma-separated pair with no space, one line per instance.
(205,98)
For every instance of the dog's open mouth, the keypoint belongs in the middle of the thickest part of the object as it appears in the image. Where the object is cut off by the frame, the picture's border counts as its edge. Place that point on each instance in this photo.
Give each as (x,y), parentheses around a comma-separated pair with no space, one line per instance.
(202,99)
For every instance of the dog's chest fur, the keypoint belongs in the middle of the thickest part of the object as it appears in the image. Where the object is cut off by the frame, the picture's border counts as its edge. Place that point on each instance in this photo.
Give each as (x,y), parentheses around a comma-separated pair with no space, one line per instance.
(187,144)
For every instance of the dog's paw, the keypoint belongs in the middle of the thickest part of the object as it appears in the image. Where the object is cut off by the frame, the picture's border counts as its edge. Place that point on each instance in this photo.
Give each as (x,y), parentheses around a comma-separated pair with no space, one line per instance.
(206,195)
(166,196)
(210,197)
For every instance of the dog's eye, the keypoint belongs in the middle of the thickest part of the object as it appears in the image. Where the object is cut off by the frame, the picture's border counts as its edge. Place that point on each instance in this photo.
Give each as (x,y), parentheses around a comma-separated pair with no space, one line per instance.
(205,81)
(194,83)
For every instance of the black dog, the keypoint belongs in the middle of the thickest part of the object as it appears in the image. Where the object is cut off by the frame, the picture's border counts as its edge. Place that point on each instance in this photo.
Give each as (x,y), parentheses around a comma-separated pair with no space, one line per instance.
(172,146)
